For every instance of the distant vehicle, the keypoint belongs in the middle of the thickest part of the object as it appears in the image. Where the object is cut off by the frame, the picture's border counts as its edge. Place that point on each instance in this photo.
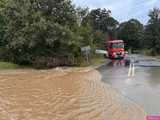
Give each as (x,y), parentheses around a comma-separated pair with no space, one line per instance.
(116,49)
(102,52)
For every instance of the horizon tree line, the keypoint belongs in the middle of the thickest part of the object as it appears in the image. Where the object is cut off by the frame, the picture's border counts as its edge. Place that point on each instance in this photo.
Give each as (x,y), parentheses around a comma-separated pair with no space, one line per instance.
(41,32)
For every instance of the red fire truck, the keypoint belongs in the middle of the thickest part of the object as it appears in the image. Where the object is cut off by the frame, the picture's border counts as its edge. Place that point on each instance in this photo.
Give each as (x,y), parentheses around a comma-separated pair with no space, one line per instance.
(116,49)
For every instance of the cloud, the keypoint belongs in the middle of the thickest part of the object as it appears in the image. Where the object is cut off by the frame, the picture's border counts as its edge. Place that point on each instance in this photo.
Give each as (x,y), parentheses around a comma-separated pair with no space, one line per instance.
(151,2)
(123,9)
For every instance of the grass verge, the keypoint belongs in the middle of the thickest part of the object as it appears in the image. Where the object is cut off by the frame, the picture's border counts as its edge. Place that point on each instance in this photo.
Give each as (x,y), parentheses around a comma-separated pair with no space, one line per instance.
(98,60)
(7,65)
(95,61)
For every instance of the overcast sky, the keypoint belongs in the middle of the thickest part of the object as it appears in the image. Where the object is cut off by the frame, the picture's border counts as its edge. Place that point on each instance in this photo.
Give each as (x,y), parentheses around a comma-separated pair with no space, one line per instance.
(123,10)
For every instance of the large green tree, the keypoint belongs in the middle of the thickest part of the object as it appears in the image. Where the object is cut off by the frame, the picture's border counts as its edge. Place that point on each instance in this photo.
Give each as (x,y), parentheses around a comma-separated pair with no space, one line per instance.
(2,23)
(41,28)
(132,33)
(152,31)
(100,19)
(102,24)
(2,31)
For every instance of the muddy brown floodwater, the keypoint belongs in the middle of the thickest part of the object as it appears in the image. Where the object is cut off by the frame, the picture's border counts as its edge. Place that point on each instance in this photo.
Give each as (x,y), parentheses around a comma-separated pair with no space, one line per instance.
(71,94)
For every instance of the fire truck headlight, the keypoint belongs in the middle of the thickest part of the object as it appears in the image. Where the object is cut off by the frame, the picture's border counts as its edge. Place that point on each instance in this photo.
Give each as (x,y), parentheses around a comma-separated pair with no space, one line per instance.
(114,54)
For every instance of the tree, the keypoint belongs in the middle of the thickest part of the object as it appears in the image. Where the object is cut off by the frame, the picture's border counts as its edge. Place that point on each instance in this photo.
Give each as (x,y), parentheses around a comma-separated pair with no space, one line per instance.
(154,16)
(41,29)
(2,24)
(61,11)
(100,39)
(2,31)
(81,14)
(132,33)
(152,31)
(100,21)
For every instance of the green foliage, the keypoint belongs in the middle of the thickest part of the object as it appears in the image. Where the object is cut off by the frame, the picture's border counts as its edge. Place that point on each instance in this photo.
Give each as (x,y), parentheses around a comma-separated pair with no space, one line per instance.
(81,14)
(132,33)
(98,60)
(43,30)
(48,33)
(154,16)
(85,35)
(2,31)
(152,32)
(95,61)
(100,39)
(100,19)
(6,65)
(150,52)
(101,22)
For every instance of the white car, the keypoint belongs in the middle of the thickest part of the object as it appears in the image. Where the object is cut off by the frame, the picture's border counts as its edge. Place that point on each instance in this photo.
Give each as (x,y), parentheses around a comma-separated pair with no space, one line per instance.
(102,52)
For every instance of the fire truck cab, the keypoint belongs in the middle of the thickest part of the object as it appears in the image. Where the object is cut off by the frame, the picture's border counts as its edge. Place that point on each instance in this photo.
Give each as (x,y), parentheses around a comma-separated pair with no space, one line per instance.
(115,49)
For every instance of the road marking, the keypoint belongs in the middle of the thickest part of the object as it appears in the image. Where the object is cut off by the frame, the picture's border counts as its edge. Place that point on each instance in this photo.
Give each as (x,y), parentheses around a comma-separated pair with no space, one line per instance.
(131,72)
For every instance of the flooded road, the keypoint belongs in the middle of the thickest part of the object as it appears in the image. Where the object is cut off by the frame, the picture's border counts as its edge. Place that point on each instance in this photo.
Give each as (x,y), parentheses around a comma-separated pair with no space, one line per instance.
(70,94)
(142,86)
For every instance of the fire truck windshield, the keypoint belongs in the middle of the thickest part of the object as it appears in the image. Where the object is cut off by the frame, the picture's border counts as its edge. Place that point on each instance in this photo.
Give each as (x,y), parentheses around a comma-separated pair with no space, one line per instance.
(117,45)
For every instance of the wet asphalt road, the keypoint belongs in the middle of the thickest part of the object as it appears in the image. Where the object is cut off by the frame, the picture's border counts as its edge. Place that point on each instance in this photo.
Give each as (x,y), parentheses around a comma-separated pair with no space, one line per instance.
(141,86)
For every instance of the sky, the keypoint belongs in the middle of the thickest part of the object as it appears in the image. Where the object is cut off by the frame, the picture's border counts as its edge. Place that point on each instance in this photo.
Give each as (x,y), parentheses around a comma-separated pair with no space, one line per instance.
(123,10)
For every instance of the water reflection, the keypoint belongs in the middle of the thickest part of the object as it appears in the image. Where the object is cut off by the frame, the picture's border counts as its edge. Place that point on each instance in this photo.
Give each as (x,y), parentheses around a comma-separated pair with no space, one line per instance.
(115,63)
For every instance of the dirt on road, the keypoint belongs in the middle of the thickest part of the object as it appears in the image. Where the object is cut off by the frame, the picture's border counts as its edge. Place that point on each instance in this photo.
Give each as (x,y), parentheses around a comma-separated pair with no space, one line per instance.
(71,94)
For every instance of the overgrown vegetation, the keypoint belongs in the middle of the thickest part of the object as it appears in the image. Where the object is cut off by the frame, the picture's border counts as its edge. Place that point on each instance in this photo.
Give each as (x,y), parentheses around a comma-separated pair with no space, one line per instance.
(132,34)
(103,25)
(49,33)
(152,32)
(6,65)
(43,33)
(95,61)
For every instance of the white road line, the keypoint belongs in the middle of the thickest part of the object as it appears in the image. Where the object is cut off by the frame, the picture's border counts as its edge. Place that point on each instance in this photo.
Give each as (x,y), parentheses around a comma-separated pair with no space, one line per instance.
(130,70)
(133,70)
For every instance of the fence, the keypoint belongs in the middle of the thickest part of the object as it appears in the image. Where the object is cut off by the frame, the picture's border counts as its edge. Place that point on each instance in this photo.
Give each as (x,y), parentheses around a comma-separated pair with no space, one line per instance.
(50,62)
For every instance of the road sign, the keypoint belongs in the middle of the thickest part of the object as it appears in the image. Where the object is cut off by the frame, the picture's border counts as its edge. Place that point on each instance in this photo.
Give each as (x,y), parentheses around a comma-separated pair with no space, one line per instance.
(86,48)
(86,52)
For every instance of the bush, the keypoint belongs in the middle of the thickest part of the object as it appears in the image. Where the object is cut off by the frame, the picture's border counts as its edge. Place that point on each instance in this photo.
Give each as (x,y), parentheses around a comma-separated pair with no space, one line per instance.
(150,52)
(6,65)
(44,34)
(50,62)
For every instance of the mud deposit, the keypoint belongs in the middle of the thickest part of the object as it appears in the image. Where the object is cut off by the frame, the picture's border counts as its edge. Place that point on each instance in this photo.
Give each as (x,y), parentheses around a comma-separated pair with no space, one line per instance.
(60,94)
